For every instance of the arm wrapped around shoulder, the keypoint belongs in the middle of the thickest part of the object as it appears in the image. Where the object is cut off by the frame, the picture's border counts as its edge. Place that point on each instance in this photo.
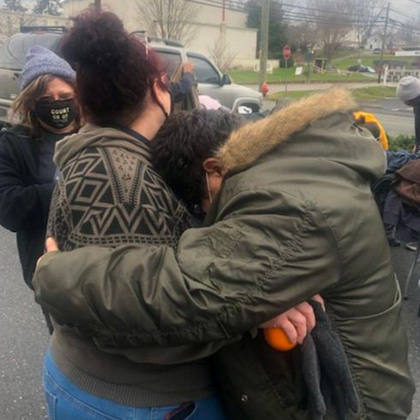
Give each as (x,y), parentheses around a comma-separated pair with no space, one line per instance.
(222,281)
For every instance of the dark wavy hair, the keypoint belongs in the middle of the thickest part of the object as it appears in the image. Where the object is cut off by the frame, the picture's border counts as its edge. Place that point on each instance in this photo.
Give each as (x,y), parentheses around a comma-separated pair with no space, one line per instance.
(184,142)
(115,70)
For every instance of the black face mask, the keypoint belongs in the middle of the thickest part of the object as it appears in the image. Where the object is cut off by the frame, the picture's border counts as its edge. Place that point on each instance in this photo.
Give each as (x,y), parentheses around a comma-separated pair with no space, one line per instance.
(56,114)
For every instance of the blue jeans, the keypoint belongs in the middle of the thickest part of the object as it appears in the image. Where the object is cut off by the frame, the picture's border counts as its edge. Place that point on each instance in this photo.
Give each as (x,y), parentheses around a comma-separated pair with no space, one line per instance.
(67,402)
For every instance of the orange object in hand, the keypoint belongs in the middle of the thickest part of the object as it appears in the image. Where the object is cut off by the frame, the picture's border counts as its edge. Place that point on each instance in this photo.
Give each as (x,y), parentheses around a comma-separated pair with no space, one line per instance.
(278,339)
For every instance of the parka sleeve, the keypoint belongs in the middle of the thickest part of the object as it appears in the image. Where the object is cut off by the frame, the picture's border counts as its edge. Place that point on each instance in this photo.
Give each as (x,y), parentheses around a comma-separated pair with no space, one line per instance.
(21,205)
(222,281)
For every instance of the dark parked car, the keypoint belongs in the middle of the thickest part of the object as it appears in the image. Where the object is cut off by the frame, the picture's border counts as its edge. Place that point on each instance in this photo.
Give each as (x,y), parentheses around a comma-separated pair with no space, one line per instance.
(360,68)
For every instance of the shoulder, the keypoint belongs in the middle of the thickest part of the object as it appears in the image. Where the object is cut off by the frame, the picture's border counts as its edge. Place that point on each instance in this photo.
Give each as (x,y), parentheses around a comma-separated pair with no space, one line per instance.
(17,134)
(15,140)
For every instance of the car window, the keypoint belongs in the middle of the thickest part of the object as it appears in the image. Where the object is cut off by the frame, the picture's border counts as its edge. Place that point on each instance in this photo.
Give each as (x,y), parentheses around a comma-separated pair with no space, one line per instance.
(170,59)
(204,70)
(13,52)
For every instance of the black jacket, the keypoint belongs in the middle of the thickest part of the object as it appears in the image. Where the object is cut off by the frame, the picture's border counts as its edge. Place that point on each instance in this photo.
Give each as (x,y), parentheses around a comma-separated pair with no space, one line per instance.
(417,125)
(24,201)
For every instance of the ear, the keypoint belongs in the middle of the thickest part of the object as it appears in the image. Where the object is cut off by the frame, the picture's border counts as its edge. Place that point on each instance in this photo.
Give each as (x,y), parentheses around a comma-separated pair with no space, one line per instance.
(212,165)
(158,89)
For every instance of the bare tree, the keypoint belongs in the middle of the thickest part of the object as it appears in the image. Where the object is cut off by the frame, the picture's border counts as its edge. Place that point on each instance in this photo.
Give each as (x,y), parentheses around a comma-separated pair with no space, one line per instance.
(221,54)
(10,24)
(168,19)
(302,36)
(48,7)
(332,23)
(367,15)
(406,33)
(14,5)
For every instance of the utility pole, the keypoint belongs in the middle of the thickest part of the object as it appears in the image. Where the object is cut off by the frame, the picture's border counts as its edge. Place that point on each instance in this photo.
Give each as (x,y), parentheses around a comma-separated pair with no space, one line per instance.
(384,43)
(224,12)
(264,42)
(98,5)
(223,30)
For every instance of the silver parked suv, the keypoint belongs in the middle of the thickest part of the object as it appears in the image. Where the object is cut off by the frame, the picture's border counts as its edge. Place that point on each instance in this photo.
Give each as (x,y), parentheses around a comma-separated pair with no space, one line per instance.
(210,80)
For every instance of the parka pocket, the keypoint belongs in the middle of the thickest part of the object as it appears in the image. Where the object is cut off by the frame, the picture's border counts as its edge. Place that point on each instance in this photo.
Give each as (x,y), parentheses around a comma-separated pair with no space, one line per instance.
(396,304)
(249,391)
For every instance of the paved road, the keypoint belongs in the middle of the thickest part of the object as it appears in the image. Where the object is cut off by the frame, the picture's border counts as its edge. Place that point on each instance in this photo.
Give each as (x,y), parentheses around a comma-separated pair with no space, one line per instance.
(24,337)
(396,117)
(23,341)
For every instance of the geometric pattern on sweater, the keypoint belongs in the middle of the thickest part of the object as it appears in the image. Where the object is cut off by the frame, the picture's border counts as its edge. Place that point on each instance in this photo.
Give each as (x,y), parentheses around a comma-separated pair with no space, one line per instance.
(109,196)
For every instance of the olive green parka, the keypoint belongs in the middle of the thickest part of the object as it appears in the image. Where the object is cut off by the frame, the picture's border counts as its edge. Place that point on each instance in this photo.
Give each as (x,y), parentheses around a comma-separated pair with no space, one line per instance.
(295,217)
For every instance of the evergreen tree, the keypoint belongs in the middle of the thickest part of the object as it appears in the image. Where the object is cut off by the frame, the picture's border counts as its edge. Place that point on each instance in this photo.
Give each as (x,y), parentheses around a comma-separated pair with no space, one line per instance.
(277,38)
(14,5)
(48,7)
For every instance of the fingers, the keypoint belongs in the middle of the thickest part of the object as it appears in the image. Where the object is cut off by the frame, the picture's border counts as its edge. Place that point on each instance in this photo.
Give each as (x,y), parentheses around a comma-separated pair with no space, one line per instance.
(319,299)
(276,322)
(307,311)
(189,67)
(290,330)
(295,325)
(301,327)
(286,321)
(51,245)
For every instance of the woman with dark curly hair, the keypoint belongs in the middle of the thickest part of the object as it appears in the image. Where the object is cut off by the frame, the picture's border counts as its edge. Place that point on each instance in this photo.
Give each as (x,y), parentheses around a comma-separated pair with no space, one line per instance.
(108,194)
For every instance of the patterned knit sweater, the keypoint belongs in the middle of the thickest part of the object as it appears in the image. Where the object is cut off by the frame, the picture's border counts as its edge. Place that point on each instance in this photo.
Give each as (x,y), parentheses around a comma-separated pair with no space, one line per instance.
(108,195)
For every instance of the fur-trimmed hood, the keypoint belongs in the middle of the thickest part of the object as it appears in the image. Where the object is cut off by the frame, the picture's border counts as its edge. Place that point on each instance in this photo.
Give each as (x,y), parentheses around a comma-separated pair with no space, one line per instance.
(254,140)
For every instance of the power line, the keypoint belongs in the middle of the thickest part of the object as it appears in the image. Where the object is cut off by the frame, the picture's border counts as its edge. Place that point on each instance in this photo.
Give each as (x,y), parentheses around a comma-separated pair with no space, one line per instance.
(401,14)
(327,19)
(404,27)
(297,16)
(246,7)
(294,16)
(237,6)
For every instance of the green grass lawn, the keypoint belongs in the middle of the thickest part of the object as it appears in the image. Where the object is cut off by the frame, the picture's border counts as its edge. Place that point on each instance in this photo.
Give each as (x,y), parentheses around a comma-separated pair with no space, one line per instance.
(368,60)
(281,75)
(374,93)
(369,93)
(341,63)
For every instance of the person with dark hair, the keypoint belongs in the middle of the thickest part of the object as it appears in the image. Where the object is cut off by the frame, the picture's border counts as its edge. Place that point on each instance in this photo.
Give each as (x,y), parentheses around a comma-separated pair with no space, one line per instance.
(108,194)
(197,136)
(292,215)
(46,111)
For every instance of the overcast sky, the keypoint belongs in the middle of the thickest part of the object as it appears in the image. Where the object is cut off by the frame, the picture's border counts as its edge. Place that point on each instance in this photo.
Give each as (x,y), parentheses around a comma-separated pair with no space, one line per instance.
(406,7)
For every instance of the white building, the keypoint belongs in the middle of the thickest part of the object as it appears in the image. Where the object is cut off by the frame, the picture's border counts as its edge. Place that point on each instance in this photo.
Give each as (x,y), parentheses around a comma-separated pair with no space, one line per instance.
(241,42)
(352,40)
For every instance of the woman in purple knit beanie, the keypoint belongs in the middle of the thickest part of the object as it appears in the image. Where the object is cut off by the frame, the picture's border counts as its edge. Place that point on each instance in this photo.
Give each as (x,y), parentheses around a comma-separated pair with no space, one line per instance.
(44,112)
